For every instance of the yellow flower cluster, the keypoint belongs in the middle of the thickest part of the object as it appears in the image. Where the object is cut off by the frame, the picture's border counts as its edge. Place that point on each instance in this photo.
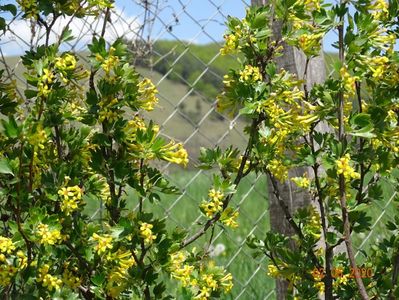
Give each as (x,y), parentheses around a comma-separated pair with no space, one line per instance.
(71,198)
(310,44)
(348,82)
(48,236)
(29,7)
(66,62)
(215,203)
(44,81)
(104,242)
(132,126)
(278,169)
(341,280)
(229,218)
(302,182)
(311,5)
(250,74)
(101,4)
(47,280)
(146,233)
(378,66)
(379,9)
(147,92)
(174,153)
(179,269)
(344,168)
(107,64)
(108,111)
(7,270)
(118,276)
(313,225)
(202,282)
(105,193)
(231,42)
(6,246)
(273,271)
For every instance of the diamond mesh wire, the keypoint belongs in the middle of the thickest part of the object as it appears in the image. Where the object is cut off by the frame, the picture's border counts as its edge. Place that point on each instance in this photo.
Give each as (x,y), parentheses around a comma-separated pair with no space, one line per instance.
(185,113)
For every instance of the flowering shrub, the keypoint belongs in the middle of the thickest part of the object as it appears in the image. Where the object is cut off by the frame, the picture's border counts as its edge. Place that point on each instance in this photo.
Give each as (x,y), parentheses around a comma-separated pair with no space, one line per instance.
(347,165)
(74,140)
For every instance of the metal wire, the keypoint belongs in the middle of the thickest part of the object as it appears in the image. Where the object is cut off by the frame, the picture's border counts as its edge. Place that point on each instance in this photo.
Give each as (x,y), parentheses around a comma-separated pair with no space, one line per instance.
(163,17)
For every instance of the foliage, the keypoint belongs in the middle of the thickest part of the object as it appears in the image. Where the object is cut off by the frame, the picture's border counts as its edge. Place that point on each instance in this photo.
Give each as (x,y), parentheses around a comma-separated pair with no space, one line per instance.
(358,103)
(77,138)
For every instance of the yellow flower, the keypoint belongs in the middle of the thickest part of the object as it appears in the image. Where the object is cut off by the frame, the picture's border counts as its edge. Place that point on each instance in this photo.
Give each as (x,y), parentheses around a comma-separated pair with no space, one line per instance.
(310,44)
(231,44)
(132,127)
(183,274)
(250,74)
(278,169)
(71,198)
(378,66)
(43,89)
(212,207)
(47,76)
(29,7)
(229,218)
(302,182)
(215,195)
(147,95)
(6,245)
(104,242)
(146,233)
(119,274)
(108,63)
(48,236)
(320,286)
(343,167)
(48,281)
(174,153)
(22,260)
(227,282)
(204,293)
(66,62)
(348,81)
(273,271)
(379,9)
(7,272)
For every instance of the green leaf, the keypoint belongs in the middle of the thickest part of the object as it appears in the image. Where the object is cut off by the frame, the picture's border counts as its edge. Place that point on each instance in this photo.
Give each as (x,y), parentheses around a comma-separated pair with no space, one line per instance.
(10,127)
(98,279)
(9,7)
(5,167)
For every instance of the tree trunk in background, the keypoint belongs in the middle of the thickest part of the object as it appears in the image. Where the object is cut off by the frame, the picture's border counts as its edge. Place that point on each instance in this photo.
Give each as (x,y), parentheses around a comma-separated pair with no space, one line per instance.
(293,61)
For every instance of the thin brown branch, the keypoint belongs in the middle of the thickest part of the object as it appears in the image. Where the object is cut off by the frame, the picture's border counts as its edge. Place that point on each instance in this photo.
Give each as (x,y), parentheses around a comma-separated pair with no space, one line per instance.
(237,180)
(342,185)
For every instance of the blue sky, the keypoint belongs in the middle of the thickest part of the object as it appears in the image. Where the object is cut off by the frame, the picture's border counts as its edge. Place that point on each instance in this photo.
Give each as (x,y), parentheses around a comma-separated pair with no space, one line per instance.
(192,14)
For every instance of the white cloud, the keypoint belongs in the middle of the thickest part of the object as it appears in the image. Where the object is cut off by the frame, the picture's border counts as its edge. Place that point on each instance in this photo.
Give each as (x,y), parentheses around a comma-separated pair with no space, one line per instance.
(18,39)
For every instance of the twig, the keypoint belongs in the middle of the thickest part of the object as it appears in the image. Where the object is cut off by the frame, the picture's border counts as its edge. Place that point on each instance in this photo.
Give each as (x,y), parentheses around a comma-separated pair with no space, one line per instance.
(237,180)
(328,280)
(342,187)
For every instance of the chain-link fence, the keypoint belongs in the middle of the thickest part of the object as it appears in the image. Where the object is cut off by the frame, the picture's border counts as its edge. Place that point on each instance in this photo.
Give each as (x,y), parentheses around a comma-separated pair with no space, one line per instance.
(176,44)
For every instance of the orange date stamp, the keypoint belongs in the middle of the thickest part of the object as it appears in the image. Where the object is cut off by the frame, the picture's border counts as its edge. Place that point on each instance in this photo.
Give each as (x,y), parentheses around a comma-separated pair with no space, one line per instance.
(340,272)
